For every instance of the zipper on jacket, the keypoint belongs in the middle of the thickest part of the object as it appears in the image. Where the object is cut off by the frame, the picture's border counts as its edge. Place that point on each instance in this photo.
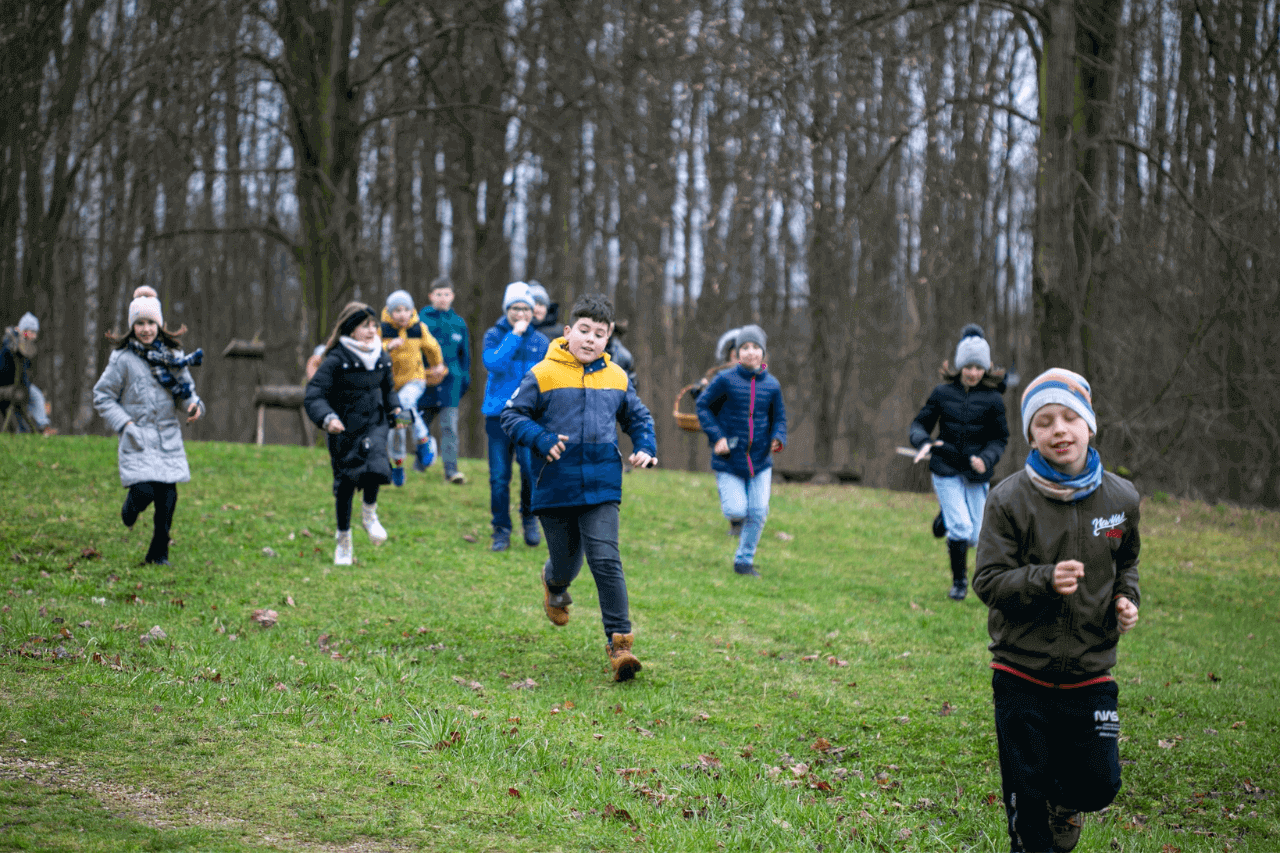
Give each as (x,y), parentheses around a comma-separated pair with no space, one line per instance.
(751,427)
(1068,614)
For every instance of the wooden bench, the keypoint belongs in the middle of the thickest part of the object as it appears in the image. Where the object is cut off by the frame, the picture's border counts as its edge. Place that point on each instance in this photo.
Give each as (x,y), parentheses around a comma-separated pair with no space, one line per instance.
(282,397)
(270,396)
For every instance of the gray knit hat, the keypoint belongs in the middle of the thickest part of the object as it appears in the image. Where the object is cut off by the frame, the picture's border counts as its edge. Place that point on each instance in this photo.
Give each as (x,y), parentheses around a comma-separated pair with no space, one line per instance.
(752,334)
(29,323)
(399,299)
(727,341)
(539,294)
(973,348)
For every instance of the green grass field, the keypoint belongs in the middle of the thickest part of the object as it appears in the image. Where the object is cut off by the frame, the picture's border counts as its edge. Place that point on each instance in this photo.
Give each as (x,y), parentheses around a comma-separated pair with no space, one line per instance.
(420,700)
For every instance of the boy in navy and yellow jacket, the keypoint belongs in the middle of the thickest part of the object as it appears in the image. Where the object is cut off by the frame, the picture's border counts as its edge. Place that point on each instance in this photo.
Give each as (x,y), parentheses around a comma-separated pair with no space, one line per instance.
(565,411)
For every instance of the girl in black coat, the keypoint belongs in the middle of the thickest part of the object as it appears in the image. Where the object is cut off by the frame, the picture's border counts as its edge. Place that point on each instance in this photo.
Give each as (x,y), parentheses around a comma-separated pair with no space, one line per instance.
(350,398)
(972,433)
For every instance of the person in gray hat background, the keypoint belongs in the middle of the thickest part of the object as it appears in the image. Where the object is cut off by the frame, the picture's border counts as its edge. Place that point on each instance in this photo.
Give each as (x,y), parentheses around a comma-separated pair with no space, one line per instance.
(17,352)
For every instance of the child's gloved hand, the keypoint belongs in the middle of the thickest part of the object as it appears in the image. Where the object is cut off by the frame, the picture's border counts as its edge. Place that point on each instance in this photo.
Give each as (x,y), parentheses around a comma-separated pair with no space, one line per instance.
(1126,614)
(1066,576)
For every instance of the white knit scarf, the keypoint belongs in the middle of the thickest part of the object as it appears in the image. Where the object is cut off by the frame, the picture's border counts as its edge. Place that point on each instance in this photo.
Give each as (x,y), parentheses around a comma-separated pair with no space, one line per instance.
(367,353)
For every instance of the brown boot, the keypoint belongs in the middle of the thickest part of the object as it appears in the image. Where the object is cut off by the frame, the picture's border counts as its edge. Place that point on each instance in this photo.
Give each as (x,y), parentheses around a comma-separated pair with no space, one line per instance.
(625,664)
(555,603)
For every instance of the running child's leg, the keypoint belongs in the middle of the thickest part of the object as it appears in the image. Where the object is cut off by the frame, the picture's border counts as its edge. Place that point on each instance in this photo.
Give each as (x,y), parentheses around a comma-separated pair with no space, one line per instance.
(757,490)
(598,533)
(166,498)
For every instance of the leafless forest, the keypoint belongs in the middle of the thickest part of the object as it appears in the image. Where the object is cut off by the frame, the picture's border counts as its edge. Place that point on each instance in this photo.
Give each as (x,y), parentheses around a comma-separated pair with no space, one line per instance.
(1094,182)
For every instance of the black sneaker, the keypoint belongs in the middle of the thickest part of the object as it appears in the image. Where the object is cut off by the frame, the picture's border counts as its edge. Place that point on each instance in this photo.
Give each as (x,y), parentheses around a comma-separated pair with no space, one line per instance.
(746,569)
(1065,825)
(959,589)
(501,540)
(939,526)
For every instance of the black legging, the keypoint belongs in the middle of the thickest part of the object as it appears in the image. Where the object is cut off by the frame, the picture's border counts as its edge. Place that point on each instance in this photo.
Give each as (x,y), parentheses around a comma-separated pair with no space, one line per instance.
(343,492)
(165,496)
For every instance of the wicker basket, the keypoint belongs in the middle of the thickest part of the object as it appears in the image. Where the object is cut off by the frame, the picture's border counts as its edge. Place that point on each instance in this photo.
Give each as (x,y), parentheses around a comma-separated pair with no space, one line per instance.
(685,420)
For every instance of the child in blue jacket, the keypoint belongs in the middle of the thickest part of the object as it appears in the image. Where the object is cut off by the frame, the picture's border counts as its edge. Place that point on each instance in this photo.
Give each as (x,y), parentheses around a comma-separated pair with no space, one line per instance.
(566,411)
(741,412)
(511,347)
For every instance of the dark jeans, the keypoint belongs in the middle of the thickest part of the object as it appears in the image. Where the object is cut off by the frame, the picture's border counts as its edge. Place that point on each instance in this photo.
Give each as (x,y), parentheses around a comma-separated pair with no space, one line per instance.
(165,497)
(572,532)
(501,450)
(344,490)
(1056,746)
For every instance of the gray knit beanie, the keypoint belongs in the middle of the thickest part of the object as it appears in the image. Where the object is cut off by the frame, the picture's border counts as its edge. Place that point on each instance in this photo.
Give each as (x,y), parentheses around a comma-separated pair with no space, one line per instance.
(973,349)
(752,334)
(29,323)
(399,299)
(539,294)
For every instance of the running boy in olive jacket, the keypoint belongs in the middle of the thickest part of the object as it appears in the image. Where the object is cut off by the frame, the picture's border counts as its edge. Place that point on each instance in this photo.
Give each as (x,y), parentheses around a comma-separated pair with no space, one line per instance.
(1058,567)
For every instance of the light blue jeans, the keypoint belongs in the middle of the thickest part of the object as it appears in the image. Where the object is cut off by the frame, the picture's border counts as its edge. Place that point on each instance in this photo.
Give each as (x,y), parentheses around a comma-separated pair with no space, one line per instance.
(962,501)
(746,500)
(408,394)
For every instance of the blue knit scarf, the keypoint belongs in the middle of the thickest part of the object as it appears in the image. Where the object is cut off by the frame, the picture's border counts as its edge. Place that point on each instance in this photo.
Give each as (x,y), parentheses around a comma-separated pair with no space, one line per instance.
(1055,485)
(162,360)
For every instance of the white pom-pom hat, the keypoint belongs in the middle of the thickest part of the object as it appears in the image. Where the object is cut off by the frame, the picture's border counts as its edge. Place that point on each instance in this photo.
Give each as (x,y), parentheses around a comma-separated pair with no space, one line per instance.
(145,306)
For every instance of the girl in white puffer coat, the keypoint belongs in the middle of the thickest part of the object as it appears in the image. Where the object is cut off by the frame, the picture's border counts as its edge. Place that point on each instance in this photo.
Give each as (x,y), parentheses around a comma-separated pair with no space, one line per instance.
(146,382)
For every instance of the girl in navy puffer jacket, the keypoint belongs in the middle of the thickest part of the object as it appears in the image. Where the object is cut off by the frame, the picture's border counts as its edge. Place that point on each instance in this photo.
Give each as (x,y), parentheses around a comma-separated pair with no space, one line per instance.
(972,433)
(741,412)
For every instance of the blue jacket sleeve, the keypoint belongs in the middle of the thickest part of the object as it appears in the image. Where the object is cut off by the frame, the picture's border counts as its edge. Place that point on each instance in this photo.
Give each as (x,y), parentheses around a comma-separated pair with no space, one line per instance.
(923,425)
(637,422)
(519,417)
(713,394)
(778,414)
(499,348)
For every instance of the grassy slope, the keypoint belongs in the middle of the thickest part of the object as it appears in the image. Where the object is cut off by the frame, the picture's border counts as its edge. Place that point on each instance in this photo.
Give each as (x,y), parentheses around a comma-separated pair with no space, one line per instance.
(420,699)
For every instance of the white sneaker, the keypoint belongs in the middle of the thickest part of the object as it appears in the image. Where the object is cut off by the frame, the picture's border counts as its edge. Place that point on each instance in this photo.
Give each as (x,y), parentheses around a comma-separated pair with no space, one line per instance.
(342,555)
(369,515)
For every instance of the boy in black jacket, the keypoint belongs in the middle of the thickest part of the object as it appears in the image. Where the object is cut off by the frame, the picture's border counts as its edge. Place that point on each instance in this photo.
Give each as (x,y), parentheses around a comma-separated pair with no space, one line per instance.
(1058,567)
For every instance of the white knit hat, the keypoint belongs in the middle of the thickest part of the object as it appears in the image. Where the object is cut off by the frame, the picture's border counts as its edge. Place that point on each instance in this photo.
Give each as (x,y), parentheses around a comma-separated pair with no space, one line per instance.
(517,292)
(145,306)
(29,323)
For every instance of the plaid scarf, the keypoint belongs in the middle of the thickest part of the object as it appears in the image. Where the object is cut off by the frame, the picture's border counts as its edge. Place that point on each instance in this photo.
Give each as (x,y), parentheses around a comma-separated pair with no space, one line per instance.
(1055,485)
(161,359)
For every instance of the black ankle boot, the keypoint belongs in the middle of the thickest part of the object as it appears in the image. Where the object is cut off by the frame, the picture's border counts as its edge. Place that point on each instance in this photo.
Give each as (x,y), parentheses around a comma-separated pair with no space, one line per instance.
(958,551)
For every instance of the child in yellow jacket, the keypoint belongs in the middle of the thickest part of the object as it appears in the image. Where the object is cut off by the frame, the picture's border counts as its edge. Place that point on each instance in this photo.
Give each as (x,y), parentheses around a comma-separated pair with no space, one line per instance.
(416,362)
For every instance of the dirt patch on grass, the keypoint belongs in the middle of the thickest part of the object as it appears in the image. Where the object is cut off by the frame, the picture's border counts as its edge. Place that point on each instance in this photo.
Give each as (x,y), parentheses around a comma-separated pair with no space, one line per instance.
(152,808)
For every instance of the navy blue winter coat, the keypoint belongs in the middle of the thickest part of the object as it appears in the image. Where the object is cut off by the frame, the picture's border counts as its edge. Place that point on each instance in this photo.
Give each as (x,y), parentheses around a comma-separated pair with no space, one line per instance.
(970,422)
(586,402)
(746,408)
